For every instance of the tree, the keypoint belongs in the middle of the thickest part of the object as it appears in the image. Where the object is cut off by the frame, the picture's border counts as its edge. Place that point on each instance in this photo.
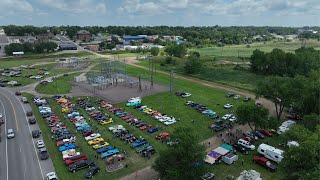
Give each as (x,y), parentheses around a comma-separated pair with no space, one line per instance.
(177,50)
(181,160)
(193,65)
(154,51)
(280,90)
(310,121)
(302,162)
(252,115)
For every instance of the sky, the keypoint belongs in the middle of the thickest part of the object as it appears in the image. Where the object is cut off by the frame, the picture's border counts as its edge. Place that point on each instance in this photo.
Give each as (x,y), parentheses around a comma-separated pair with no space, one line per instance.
(161,12)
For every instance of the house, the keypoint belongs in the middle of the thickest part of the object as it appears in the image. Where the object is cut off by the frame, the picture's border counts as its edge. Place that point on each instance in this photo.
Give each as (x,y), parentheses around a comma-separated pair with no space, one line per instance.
(84,36)
(92,47)
(168,38)
(153,37)
(67,47)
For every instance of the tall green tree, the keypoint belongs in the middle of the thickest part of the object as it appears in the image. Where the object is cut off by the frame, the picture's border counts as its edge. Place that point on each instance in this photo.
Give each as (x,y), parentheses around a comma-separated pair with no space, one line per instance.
(303,162)
(181,160)
(282,91)
(193,65)
(252,115)
(154,51)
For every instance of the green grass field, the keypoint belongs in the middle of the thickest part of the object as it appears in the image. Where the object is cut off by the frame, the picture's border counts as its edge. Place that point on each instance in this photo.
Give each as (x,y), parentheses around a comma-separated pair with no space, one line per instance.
(232,52)
(59,85)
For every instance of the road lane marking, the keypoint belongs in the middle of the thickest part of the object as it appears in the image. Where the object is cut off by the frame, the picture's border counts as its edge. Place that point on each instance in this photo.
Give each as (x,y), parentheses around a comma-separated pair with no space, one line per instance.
(5,127)
(34,146)
(14,111)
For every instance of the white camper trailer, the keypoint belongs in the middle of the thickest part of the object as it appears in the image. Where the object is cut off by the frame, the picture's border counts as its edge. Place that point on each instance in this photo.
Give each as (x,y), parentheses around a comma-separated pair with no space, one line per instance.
(270,152)
(285,126)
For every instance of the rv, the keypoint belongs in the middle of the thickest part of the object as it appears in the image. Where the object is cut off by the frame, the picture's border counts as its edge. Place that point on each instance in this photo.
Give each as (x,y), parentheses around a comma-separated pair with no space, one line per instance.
(270,152)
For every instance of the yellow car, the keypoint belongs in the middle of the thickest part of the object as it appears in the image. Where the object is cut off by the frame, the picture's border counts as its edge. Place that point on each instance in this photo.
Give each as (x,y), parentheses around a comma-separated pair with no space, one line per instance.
(100,145)
(65,109)
(147,110)
(61,100)
(95,141)
(106,122)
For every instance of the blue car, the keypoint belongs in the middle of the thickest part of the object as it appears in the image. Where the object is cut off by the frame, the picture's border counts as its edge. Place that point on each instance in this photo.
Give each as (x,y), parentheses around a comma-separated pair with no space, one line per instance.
(67,147)
(110,153)
(150,131)
(118,113)
(80,124)
(105,149)
(85,130)
(83,127)
(138,143)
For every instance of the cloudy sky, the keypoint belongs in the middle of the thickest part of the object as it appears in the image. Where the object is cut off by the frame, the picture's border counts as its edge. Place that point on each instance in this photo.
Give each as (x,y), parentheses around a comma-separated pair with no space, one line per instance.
(161,12)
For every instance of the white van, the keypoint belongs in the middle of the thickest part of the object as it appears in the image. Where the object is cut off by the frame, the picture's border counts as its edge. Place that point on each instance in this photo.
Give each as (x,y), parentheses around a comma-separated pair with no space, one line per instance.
(246,144)
(270,152)
(285,126)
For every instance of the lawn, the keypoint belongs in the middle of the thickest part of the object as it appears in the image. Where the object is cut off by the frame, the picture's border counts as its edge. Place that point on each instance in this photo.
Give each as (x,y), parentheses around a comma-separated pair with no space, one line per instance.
(125,54)
(59,85)
(25,81)
(232,52)
(16,62)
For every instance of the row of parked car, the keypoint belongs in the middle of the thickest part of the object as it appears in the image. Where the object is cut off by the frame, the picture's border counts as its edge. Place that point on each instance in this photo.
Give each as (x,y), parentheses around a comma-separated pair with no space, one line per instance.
(103,148)
(141,145)
(66,141)
(163,118)
(203,109)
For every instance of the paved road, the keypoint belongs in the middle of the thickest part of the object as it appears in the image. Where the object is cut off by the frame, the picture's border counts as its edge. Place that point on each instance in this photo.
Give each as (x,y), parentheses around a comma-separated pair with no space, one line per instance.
(19,156)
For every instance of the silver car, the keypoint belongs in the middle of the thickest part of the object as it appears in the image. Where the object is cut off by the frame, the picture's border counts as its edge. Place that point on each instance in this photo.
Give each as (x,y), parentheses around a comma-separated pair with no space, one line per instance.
(10,134)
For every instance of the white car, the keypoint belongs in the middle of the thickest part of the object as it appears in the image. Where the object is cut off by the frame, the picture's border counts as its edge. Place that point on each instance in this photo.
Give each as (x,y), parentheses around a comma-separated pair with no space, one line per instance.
(40,144)
(116,127)
(10,134)
(51,176)
(69,155)
(158,117)
(236,97)
(46,73)
(0,115)
(12,83)
(92,136)
(227,116)
(164,118)
(171,121)
(228,106)
(134,99)
(185,95)
(90,108)
(233,119)
(38,77)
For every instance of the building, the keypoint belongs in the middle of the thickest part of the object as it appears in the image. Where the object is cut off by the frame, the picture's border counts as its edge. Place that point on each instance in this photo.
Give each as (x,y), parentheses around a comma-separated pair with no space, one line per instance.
(92,47)
(132,38)
(3,41)
(84,36)
(17,53)
(67,47)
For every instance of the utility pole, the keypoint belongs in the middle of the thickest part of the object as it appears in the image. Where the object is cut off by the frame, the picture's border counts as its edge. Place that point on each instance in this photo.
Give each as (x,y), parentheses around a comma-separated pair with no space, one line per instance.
(140,88)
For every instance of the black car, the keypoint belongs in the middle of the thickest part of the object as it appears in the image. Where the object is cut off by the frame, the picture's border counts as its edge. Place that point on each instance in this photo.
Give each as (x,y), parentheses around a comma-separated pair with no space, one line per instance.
(2,85)
(230,95)
(92,171)
(32,121)
(148,151)
(36,133)
(80,165)
(241,149)
(219,122)
(43,153)
(218,128)
(29,113)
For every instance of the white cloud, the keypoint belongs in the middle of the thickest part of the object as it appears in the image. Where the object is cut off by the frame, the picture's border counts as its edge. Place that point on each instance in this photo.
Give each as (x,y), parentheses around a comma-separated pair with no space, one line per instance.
(15,6)
(76,6)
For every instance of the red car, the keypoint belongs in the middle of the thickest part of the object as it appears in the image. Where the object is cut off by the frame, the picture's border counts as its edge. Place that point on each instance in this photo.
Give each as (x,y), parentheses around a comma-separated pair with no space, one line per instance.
(264,162)
(265,132)
(145,127)
(88,133)
(162,136)
(247,139)
(75,159)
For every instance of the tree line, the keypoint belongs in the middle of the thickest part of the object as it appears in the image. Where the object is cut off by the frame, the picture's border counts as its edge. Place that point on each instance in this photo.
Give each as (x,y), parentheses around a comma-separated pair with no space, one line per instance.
(277,62)
(30,47)
(198,36)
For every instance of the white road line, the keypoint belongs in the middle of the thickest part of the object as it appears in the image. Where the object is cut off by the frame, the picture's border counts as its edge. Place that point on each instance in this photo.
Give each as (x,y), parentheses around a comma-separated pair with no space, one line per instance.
(5,127)
(34,146)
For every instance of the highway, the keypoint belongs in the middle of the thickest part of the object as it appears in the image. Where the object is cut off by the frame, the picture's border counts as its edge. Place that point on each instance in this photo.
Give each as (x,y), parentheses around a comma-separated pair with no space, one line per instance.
(19,158)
